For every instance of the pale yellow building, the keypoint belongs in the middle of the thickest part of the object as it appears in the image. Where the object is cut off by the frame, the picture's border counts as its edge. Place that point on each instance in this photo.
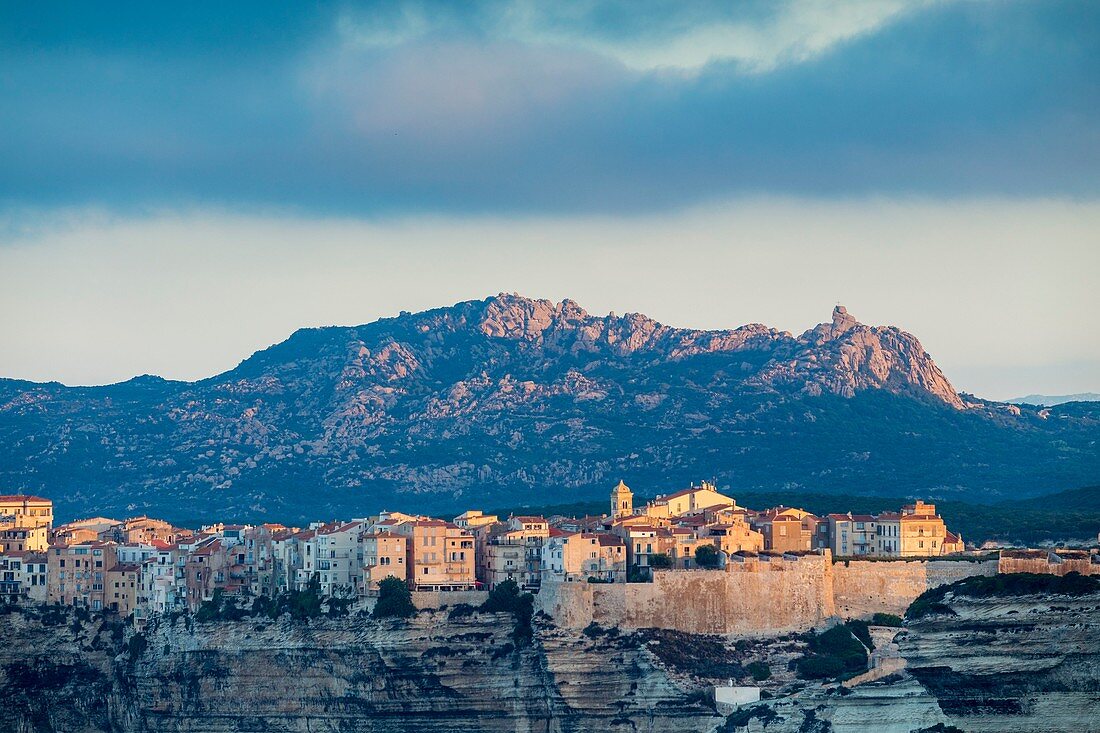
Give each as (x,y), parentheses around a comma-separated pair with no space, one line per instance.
(23,538)
(23,510)
(578,556)
(692,500)
(923,532)
(385,554)
(439,555)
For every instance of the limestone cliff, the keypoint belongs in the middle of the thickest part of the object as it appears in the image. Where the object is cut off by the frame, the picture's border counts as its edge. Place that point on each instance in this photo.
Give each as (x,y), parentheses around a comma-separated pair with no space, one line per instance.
(1025,663)
(333,675)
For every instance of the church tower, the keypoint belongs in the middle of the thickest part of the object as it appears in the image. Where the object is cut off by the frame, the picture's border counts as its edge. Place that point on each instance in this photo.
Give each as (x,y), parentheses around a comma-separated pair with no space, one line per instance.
(622,501)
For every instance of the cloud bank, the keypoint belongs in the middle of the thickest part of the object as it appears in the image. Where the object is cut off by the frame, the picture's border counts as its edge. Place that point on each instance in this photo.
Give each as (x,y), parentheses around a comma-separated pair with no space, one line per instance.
(522,107)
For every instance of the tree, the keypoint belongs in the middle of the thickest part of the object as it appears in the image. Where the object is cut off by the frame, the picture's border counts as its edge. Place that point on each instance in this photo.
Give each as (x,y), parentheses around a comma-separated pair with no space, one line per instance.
(660,561)
(394,599)
(707,556)
(506,598)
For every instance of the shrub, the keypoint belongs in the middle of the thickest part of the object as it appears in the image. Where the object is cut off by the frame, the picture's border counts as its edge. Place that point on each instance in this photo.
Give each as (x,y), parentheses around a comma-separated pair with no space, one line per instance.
(506,598)
(660,561)
(885,619)
(460,610)
(819,667)
(137,646)
(833,653)
(759,671)
(860,630)
(394,599)
(742,717)
(706,556)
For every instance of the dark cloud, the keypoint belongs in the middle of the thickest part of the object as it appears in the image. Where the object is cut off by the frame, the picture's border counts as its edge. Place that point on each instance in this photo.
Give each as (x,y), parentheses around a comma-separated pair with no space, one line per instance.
(388,108)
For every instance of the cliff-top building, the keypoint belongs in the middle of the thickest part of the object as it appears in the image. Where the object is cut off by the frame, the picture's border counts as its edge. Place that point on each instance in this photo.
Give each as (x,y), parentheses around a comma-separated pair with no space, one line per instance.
(23,510)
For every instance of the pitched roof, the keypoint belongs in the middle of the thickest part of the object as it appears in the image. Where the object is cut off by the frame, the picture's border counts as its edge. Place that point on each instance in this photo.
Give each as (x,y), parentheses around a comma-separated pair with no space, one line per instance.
(29,498)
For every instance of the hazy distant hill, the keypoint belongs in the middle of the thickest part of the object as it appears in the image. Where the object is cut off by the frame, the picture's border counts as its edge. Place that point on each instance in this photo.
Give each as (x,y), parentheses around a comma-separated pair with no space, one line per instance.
(1051,400)
(511,400)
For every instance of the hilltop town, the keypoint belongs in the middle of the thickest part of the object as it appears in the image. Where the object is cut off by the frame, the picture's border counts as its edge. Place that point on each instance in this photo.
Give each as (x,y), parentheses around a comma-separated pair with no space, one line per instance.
(145,566)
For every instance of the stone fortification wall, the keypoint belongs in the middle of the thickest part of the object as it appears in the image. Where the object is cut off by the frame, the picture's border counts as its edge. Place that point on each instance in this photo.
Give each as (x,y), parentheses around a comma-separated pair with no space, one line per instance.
(435,599)
(754,595)
(1052,563)
(865,587)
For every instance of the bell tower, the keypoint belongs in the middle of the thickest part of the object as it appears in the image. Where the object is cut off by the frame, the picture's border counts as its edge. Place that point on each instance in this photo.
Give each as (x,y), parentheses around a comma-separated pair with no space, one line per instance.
(622,501)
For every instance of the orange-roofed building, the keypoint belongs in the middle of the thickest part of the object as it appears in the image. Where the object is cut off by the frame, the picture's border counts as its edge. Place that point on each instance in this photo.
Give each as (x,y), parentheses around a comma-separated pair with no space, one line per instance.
(24,510)
(385,554)
(688,501)
(439,555)
(578,556)
(78,574)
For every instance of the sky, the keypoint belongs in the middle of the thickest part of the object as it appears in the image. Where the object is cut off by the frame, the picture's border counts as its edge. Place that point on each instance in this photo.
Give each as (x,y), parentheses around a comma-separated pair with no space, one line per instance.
(183,184)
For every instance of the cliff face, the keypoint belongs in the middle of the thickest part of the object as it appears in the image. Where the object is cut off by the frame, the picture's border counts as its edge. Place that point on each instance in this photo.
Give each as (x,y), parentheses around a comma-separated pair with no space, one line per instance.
(1026,663)
(341,675)
(510,400)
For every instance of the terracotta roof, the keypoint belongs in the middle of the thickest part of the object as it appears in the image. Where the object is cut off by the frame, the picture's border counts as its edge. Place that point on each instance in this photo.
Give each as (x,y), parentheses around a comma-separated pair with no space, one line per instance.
(863,517)
(29,498)
(529,519)
(678,494)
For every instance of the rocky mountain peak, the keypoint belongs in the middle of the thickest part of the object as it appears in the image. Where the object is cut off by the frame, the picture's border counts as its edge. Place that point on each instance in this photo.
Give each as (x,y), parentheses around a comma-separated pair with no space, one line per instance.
(510,315)
(506,397)
(842,320)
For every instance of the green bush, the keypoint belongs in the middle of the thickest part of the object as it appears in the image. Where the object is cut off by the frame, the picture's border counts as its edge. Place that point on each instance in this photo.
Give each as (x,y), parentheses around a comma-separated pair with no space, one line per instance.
(861,631)
(506,598)
(706,556)
(660,561)
(886,619)
(759,671)
(833,653)
(815,667)
(394,599)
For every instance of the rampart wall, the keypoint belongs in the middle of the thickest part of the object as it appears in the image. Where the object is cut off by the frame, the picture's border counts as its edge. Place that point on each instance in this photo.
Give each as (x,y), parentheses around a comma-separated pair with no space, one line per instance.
(1052,563)
(755,596)
(435,599)
(865,587)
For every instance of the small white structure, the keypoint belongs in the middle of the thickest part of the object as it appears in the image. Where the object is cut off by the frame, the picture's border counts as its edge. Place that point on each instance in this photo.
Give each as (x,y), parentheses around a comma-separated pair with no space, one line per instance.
(728,698)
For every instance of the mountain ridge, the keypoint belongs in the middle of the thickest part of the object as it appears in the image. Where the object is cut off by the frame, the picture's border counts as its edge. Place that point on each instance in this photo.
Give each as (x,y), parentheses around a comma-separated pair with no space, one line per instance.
(510,398)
